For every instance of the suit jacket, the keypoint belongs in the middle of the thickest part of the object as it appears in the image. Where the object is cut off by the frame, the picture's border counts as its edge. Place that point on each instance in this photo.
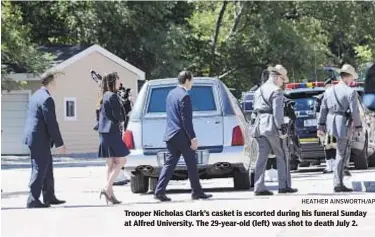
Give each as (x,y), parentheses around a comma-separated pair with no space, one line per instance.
(42,129)
(333,116)
(110,114)
(270,109)
(179,114)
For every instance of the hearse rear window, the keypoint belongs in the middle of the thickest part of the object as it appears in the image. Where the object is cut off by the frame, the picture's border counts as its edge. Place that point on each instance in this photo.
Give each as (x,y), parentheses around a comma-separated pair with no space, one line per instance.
(202,98)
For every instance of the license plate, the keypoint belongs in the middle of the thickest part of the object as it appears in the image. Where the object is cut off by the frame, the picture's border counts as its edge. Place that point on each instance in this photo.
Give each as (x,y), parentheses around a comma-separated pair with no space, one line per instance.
(198,159)
(201,157)
(310,123)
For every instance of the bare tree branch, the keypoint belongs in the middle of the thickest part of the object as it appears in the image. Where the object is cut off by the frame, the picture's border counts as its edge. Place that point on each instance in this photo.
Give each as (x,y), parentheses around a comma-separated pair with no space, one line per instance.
(217,31)
(227,73)
(238,7)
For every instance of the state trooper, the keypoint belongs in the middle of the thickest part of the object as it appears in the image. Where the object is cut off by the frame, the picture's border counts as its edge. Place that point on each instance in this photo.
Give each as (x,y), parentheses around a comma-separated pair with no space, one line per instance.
(329,141)
(270,131)
(338,115)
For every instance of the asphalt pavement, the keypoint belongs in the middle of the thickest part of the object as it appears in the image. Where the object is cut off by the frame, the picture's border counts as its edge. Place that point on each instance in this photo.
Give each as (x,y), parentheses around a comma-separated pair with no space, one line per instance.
(85,214)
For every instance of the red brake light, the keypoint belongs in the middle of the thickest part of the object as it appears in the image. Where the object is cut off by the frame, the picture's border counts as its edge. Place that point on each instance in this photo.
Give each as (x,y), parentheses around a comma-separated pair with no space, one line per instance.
(127,138)
(357,84)
(291,86)
(237,137)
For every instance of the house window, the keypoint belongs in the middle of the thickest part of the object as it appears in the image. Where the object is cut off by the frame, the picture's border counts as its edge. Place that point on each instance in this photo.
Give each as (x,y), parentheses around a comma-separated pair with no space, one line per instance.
(70,108)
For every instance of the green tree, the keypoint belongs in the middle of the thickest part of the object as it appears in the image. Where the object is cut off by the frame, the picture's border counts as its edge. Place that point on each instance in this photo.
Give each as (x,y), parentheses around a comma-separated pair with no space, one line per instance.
(17,50)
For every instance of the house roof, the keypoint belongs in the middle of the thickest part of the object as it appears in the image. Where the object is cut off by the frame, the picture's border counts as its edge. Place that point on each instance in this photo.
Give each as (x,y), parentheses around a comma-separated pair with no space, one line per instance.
(60,53)
(66,55)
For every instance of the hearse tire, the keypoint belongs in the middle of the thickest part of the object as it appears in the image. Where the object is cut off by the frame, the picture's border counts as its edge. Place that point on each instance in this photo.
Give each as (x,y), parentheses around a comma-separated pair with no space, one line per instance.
(304,164)
(252,179)
(139,183)
(153,183)
(371,161)
(241,180)
(360,159)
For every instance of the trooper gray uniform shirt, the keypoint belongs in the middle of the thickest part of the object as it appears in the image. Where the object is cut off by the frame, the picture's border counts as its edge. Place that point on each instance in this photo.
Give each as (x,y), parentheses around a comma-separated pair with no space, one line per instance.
(270,112)
(333,119)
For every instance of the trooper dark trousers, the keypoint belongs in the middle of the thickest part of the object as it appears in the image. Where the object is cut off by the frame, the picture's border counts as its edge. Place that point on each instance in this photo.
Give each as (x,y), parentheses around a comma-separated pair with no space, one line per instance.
(41,175)
(177,146)
(330,153)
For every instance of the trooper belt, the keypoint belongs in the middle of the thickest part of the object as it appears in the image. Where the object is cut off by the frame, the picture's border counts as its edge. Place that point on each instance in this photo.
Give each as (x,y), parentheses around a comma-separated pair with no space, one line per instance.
(264,111)
(345,114)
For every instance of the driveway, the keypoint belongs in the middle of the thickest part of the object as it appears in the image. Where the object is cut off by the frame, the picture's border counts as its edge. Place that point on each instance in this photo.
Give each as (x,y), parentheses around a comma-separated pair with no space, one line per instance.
(85,214)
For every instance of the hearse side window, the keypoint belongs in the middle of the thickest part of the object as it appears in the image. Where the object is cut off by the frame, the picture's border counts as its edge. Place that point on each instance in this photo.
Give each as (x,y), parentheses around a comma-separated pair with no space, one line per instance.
(158,98)
(202,99)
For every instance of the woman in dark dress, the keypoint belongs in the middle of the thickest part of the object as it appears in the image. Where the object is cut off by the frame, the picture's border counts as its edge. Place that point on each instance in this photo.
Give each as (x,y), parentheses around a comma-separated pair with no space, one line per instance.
(111,147)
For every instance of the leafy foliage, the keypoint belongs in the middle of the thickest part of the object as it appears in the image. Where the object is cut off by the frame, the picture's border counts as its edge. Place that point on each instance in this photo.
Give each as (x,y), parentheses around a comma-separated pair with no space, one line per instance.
(17,50)
(233,40)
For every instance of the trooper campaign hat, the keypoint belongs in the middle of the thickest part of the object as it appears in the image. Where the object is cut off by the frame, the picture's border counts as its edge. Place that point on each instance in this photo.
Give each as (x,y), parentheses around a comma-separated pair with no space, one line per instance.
(349,69)
(279,69)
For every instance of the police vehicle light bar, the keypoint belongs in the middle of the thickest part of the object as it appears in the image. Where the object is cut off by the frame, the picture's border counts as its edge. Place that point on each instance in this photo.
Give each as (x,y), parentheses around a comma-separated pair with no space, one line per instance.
(291,86)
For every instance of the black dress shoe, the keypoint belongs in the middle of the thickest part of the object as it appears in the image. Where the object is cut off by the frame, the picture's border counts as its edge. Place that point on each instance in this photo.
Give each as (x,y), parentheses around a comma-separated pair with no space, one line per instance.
(201,196)
(162,198)
(342,189)
(288,190)
(54,201)
(263,193)
(37,204)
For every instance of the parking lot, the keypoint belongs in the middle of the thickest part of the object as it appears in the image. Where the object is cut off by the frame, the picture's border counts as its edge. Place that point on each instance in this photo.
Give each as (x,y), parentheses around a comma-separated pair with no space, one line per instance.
(85,214)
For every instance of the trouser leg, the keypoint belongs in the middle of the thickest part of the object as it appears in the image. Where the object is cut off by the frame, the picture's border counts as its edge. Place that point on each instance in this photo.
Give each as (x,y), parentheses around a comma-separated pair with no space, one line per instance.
(49,182)
(330,154)
(38,172)
(282,160)
(260,165)
(166,173)
(192,169)
(340,162)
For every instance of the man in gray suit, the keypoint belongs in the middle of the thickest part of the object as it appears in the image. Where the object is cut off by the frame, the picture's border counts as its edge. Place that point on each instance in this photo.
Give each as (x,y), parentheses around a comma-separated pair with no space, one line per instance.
(339,113)
(270,131)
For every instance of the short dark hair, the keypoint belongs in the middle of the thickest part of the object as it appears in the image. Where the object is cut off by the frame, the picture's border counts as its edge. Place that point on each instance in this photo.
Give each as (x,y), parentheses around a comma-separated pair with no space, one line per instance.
(47,79)
(184,76)
(344,74)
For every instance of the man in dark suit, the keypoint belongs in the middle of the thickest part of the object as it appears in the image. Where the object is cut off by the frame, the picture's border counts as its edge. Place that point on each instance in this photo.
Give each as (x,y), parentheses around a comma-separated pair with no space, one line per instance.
(41,133)
(180,138)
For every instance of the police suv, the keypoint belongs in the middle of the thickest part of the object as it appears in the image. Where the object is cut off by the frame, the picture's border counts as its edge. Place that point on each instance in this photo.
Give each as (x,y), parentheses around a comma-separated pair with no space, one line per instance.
(304,94)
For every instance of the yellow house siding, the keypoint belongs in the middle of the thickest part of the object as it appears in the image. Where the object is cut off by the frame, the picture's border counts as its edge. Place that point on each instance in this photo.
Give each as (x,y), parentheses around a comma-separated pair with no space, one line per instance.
(76,82)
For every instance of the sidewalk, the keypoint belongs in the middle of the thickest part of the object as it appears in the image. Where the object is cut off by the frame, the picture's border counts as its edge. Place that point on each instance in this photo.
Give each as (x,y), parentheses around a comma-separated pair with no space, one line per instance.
(23,162)
(85,214)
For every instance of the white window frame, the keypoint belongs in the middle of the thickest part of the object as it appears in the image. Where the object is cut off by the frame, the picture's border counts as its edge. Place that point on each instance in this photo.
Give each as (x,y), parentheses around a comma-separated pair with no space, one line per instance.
(74,99)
